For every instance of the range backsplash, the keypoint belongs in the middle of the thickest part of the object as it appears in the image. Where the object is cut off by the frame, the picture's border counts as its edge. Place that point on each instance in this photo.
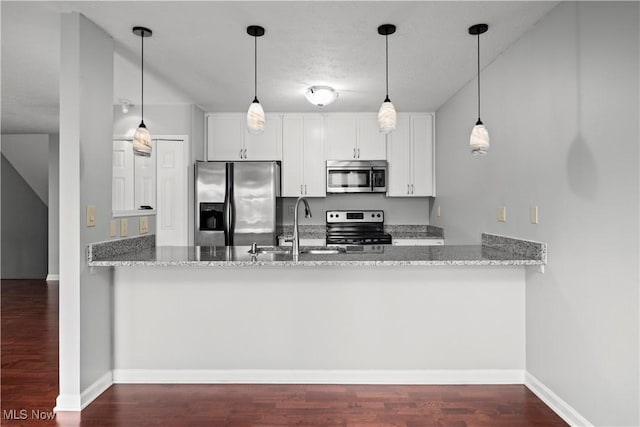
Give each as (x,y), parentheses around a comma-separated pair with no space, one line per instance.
(397,210)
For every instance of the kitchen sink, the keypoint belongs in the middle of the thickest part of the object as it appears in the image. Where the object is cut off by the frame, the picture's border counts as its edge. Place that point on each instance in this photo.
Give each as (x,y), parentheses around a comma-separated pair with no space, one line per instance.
(273,250)
(312,250)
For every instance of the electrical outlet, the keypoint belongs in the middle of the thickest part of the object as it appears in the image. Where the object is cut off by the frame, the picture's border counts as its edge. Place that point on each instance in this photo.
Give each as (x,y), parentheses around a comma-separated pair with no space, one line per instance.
(91,216)
(124,227)
(144,225)
(292,209)
(534,215)
(113,228)
(502,214)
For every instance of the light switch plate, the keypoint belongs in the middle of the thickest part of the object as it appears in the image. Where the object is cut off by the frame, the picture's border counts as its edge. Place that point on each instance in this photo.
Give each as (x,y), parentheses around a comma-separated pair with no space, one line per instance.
(113,228)
(534,215)
(124,227)
(438,211)
(502,214)
(91,216)
(144,225)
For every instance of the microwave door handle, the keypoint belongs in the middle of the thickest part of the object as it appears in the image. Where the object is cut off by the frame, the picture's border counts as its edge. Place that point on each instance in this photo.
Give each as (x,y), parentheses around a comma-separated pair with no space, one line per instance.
(371,178)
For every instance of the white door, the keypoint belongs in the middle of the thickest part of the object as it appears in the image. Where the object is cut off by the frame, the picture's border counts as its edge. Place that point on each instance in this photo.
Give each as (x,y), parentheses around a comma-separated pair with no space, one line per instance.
(422,155)
(122,196)
(315,183)
(399,158)
(371,142)
(225,137)
(292,155)
(342,134)
(171,219)
(145,178)
(263,146)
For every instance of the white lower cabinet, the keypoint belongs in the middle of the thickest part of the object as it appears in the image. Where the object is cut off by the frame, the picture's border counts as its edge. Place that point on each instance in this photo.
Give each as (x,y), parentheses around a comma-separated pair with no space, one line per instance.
(410,156)
(303,166)
(418,242)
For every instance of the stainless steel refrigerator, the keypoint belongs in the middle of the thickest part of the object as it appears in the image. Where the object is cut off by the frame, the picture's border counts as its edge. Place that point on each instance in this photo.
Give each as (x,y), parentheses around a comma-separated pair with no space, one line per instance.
(236,203)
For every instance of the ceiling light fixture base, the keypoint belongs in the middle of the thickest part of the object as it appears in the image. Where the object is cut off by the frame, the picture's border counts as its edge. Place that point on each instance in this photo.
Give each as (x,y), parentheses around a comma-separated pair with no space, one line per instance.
(255,30)
(386,29)
(142,31)
(477,29)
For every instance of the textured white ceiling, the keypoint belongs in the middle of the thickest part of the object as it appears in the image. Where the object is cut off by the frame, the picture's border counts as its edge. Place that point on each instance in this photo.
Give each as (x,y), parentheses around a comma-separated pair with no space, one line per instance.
(200,52)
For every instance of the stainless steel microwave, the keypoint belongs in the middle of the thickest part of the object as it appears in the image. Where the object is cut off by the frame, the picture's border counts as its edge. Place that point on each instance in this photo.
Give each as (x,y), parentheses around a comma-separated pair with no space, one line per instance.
(356,176)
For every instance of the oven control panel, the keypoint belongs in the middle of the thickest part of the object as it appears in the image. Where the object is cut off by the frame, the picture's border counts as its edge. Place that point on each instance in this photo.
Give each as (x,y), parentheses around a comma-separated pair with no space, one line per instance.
(355,216)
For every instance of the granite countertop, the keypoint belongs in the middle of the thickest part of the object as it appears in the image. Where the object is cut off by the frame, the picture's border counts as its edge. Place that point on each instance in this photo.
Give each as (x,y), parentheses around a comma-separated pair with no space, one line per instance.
(494,250)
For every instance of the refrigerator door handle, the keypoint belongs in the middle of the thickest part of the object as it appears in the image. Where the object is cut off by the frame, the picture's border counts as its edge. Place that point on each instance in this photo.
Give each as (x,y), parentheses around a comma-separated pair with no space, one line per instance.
(229,214)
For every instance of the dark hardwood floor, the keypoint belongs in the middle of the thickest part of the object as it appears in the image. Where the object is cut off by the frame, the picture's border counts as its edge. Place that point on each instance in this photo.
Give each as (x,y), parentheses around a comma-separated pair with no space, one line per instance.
(30,386)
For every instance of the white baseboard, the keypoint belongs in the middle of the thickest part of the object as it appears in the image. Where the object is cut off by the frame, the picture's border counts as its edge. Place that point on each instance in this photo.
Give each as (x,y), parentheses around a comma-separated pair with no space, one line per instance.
(552,400)
(259,376)
(74,402)
(67,402)
(52,277)
(96,389)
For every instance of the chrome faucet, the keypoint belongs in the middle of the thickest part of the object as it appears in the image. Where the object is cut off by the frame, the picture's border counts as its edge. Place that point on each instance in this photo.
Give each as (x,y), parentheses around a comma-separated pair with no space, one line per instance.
(295,239)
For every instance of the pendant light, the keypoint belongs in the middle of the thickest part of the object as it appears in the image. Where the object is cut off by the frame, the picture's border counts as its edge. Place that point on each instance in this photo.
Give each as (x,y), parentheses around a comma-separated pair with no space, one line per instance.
(255,115)
(479,141)
(142,137)
(387,113)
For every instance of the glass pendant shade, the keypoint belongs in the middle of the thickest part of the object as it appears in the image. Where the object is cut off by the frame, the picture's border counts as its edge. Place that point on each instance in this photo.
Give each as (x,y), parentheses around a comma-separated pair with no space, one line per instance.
(387,117)
(142,141)
(479,141)
(255,117)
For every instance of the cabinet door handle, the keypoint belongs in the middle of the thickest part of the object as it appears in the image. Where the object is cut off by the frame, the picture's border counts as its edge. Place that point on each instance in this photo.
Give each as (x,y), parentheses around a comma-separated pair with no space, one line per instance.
(245,153)
(412,189)
(305,189)
(408,189)
(241,153)
(301,189)
(358,153)
(354,153)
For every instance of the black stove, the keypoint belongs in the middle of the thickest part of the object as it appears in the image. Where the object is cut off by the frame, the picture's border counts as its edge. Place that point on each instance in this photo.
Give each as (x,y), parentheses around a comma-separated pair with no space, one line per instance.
(356,228)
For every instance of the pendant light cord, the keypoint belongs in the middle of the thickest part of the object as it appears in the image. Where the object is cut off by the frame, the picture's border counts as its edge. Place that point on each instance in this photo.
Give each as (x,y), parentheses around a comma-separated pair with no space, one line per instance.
(479,121)
(255,69)
(386,38)
(142,77)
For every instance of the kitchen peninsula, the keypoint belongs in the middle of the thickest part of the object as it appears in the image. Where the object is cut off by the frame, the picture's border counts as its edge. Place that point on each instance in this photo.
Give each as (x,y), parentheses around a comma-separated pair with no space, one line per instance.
(446,314)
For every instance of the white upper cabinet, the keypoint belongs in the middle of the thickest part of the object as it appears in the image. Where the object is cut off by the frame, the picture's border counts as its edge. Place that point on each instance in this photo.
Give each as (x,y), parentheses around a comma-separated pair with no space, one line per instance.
(303,166)
(354,137)
(410,156)
(228,138)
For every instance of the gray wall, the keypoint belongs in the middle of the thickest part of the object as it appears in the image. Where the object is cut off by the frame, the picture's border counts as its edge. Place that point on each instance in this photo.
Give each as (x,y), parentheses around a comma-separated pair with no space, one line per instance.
(397,210)
(86,128)
(24,228)
(562,109)
(54,206)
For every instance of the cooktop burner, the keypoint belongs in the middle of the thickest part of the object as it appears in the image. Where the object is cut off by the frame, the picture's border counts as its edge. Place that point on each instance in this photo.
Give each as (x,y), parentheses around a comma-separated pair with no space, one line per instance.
(356,227)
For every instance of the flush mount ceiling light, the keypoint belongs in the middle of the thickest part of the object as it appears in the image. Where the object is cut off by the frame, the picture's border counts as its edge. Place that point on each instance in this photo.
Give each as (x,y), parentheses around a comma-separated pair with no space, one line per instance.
(479,141)
(255,115)
(321,95)
(142,137)
(387,112)
(124,105)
